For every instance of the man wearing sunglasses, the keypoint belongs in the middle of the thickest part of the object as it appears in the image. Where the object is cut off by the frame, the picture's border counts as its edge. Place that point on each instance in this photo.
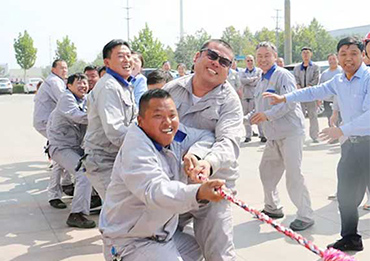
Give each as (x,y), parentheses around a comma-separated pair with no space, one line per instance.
(205,100)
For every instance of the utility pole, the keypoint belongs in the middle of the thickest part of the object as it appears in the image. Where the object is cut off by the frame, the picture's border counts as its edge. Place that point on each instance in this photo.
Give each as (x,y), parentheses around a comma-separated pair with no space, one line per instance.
(181,21)
(128,21)
(277,29)
(287,34)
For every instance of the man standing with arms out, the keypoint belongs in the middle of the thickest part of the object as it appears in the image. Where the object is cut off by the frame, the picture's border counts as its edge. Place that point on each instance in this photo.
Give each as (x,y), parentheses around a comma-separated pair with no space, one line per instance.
(307,74)
(249,78)
(92,74)
(206,101)
(327,75)
(111,109)
(283,126)
(45,101)
(66,129)
(352,90)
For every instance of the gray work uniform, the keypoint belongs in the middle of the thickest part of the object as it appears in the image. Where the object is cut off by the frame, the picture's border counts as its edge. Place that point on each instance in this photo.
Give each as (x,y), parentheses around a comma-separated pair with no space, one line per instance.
(307,78)
(66,128)
(46,100)
(111,108)
(220,112)
(233,79)
(284,131)
(249,81)
(146,195)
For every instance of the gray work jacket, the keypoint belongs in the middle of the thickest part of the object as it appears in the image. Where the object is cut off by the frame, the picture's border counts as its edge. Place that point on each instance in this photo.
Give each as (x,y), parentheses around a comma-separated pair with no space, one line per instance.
(148,189)
(308,77)
(284,119)
(67,123)
(219,111)
(234,80)
(46,99)
(111,109)
(249,81)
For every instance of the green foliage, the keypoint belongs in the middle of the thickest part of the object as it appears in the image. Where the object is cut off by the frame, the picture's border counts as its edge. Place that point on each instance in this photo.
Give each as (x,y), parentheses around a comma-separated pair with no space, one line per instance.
(66,50)
(189,46)
(98,60)
(314,36)
(152,49)
(77,67)
(171,57)
(25,53)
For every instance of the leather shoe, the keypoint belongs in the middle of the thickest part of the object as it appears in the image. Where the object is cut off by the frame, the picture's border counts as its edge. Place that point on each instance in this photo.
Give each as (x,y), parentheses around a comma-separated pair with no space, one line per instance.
(68,189)
(79,220)
(273,215)
(348,244)
(299,225)
(57,203)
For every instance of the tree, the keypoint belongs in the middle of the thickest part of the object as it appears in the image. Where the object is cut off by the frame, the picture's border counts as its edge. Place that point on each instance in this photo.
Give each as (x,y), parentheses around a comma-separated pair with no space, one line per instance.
(171,57)
(189,46)
(98,60)
(234,38)
(66,50)
(25,53)
(77,67)
(152,49)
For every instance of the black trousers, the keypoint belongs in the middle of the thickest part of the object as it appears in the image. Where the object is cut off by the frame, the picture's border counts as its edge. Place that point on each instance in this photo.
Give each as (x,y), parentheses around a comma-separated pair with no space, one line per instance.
(353,177)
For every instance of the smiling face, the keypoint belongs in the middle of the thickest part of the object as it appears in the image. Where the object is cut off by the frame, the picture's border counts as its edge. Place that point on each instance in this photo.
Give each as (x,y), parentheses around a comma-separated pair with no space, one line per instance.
(350,58)
(61,69)
(79,87)
(333,61)
(120,61)
(160,121)
(210,71)
(266,58)
(93,78)
(306,55)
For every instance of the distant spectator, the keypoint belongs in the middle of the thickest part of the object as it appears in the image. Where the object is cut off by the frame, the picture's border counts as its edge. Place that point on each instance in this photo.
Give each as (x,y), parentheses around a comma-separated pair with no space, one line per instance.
(181,69)
(92,74)
(156,79)
(280,62)
(140,85)
(166,66)
(102,71)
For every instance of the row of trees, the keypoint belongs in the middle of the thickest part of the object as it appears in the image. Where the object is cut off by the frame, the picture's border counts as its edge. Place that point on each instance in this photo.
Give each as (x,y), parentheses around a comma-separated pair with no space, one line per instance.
(154,52)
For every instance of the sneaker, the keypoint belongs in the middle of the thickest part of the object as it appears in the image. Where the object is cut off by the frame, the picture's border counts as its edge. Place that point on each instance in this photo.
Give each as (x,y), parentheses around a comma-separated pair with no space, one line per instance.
(299,225)
(273,215)
(263,139)
(79,220)
(57,203)
(68,189)
(247,139)
(348,244)
(95,204)
(255,134)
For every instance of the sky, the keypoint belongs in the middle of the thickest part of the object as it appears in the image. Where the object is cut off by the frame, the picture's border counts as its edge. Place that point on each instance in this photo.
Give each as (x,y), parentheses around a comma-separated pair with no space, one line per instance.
(90,24)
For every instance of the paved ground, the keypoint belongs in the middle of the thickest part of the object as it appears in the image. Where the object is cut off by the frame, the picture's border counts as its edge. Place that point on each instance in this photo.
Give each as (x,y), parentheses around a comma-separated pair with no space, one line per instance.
(32,230)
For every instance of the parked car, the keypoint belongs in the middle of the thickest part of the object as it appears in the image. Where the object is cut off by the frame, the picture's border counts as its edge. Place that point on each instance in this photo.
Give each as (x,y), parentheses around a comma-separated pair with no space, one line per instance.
(6,86)
(31,84)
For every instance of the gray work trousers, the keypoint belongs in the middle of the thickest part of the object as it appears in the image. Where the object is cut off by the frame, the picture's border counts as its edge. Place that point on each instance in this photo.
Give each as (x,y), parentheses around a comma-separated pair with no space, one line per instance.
(311,108)
(59,177)
(68,159)
(248,106)
(213,230)
(353,177)
(182,247)
(279,155)
(99,170)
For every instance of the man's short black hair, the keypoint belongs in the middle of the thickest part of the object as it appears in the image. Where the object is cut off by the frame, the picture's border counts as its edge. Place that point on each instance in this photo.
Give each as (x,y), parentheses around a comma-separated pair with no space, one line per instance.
(306,48)
(220,41)
(151,94)
(101,69)
(331,54)
(165,62)
(76,76)
(56,61)
(267,45)
(158,76)
(107,50)
(349,41)
(91,68)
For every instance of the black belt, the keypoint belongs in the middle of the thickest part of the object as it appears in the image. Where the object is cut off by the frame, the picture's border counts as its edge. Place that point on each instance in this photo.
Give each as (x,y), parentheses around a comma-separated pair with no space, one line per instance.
(358,139)
(159,239)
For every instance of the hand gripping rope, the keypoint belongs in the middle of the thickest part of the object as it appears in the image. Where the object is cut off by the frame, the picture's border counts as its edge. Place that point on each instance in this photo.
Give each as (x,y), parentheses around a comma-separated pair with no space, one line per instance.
(330,254)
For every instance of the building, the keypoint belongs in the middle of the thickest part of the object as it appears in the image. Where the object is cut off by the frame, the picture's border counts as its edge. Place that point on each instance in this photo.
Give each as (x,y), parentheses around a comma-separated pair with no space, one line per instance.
(360,31)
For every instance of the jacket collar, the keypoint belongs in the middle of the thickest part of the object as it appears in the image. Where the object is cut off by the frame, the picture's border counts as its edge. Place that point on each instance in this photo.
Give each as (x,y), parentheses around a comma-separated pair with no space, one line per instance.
(309,64)
(269,73)
(119,78)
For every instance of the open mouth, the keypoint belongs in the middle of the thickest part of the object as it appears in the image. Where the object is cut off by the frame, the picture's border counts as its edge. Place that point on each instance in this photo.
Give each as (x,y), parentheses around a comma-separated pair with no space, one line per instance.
(126,67)
(212,71)
(168,130)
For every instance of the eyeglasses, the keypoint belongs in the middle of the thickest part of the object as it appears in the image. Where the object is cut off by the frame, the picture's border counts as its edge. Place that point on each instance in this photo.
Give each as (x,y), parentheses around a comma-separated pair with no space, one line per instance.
(212,55)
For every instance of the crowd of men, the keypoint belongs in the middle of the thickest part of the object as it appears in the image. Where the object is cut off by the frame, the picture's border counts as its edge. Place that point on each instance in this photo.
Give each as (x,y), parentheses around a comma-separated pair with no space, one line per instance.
(155,150)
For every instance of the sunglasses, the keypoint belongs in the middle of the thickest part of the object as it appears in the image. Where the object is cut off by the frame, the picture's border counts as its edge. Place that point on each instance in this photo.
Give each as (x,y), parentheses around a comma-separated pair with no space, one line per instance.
(212,55)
